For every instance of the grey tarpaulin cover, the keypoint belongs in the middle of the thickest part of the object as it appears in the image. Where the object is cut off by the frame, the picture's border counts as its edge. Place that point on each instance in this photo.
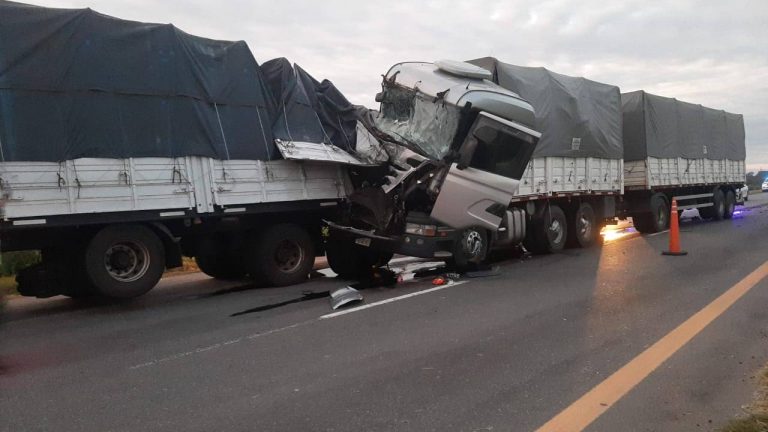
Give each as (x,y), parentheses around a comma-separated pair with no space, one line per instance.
(75,83)
(577,117)
(309,110)
(662,127)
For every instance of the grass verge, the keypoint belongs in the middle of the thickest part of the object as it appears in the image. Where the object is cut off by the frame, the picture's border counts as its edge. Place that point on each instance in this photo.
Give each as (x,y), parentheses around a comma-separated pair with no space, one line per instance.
(188,265)
(757,419)
(7,286)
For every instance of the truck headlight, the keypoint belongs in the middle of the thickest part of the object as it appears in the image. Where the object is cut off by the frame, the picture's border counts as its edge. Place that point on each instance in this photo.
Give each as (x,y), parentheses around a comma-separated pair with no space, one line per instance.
(420,229)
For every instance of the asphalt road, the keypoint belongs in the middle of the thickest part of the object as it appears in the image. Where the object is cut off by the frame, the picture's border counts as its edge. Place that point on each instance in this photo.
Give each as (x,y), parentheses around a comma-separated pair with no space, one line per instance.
(500,353)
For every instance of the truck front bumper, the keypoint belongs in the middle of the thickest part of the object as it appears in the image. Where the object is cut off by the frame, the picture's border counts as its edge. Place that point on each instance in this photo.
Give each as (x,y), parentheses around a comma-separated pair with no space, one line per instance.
(406,244)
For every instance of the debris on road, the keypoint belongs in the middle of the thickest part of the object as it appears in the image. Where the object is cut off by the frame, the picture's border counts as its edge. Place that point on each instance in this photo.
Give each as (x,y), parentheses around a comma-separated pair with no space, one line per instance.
(344,296)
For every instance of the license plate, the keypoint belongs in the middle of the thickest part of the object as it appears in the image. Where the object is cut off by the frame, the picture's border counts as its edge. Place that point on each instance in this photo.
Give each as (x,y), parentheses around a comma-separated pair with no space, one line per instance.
(363,241)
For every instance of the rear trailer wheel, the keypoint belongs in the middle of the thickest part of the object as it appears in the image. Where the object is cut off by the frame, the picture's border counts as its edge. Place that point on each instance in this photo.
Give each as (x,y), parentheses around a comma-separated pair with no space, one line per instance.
(124,261)
(730,204)
(717,211)
(470,248)
(219,259)
(351,261)
(656,220)
(548,231)
(281,255)
(582,227)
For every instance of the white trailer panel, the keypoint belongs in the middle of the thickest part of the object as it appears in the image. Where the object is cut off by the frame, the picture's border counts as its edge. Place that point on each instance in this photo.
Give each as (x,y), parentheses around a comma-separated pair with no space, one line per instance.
(661,172)
(561,175)
(81,186)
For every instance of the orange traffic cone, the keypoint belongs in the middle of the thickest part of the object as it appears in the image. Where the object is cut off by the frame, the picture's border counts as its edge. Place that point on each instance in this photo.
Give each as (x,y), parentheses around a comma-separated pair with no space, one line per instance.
(674,233)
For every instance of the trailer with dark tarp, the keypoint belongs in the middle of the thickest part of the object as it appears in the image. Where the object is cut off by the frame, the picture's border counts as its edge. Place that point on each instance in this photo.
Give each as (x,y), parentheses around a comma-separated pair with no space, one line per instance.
(125,145)
(679,149)
(573,183)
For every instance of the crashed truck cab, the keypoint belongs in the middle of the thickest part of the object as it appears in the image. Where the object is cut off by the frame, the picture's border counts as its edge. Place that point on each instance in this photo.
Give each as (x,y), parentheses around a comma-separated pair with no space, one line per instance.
(457,146)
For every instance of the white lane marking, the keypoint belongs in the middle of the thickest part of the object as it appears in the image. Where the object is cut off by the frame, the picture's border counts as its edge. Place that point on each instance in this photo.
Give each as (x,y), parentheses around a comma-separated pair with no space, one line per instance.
(220,345)
(391,300)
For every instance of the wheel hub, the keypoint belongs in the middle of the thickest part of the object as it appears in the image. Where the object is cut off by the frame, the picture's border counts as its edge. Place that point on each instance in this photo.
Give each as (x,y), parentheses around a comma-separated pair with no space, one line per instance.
(585,227)
(126,261)
(556,230)
(473,243)
(288,256)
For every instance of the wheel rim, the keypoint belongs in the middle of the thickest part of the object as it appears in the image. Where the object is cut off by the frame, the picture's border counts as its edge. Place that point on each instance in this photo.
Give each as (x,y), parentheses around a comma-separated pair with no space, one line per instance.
(584,227)
(126,261)
(556,231)
(288,256)
(662,217)
(473,244)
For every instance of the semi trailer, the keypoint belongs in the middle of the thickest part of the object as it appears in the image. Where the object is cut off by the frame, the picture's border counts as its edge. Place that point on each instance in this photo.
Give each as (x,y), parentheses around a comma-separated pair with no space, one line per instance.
(124,146)
(602,156)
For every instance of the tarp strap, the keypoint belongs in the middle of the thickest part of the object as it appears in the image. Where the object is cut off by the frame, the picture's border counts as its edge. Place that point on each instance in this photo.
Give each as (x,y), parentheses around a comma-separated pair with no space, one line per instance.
(2,155)
(221,128)
(287,128)
(263,135)
(346,137)
(77,178)
(323,129)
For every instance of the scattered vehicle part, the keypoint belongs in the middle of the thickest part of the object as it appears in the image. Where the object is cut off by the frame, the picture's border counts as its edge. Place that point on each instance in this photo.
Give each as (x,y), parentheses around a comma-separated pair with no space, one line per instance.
(344,296)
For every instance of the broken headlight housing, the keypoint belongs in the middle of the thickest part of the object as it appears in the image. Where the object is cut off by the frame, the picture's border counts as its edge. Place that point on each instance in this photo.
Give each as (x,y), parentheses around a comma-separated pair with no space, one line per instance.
(421,229)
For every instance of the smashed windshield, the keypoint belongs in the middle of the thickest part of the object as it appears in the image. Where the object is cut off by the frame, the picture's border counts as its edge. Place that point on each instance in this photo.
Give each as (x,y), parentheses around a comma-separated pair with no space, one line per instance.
(425,124)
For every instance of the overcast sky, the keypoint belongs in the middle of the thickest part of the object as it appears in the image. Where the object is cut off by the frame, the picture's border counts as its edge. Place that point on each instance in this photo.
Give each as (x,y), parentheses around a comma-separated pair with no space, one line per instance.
(710,52)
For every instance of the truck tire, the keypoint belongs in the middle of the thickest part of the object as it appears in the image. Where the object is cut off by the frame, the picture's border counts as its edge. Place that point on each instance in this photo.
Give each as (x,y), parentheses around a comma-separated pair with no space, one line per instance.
(470,249)
(350,261)
(280,255)
(656,220)
(219,259)
(582,227)
(70,267)
(124,261)
(730,204)
(548,231)
(717,210)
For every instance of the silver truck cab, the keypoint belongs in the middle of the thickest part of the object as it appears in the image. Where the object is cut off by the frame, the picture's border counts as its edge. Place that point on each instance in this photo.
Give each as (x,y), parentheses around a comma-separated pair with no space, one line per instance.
(459,145)
(430,105)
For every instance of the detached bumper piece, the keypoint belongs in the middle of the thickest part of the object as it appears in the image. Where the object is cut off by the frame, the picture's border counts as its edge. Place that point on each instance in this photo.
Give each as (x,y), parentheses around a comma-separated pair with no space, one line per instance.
(344,296)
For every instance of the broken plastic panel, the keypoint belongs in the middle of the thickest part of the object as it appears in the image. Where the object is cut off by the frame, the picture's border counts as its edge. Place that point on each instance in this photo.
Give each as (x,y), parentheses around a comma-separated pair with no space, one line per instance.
(296,150)
(344,296)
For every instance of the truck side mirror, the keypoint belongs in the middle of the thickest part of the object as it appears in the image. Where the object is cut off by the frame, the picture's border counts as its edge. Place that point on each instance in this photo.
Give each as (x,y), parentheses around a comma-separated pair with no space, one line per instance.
(380,97)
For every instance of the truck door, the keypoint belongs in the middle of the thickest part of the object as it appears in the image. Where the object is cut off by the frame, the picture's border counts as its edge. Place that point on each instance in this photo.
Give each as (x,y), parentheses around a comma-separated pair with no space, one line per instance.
(477,189)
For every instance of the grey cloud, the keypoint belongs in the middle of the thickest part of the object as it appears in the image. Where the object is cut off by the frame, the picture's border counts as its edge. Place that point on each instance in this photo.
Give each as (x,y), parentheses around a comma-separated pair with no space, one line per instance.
(708,52)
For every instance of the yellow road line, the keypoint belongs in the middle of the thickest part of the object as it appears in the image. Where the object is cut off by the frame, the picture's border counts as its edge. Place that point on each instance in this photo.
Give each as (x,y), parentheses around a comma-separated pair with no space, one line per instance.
(594,403)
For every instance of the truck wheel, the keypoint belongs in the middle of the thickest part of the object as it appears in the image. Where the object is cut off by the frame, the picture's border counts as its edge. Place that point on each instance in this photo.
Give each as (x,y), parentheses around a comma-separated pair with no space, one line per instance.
(124,261)
(656,220)
(548,231)
(582,227)
(730,204)
(219,259)
(470,248)
(70,270)
(717,210)
(350,261)
(281,255)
